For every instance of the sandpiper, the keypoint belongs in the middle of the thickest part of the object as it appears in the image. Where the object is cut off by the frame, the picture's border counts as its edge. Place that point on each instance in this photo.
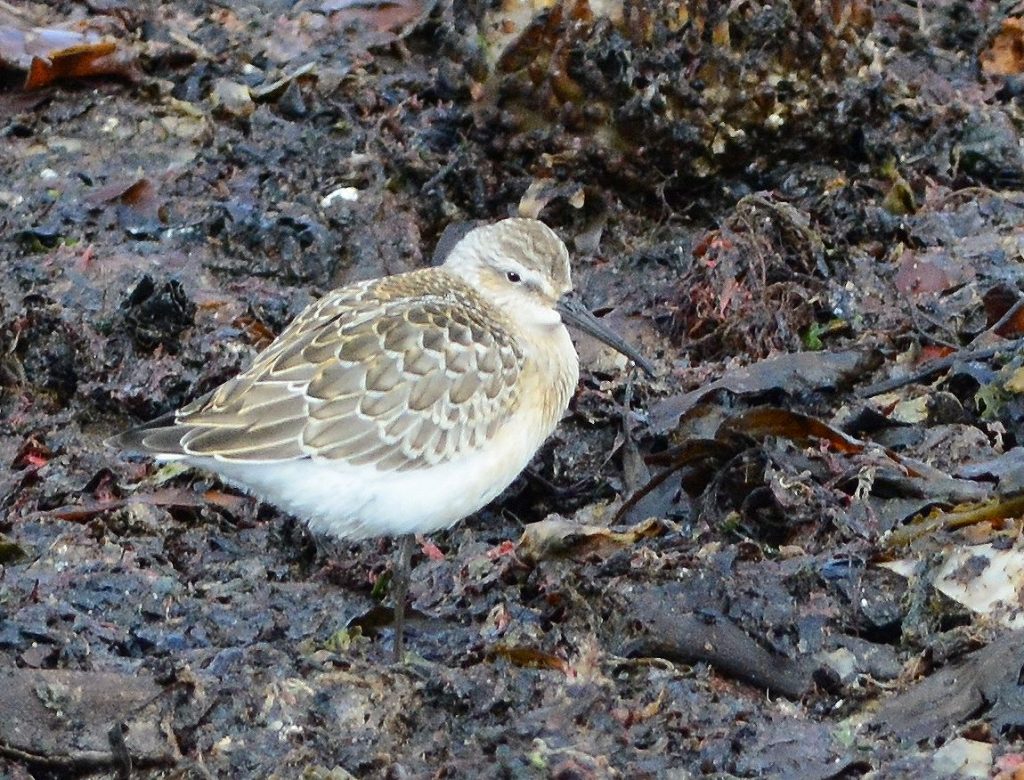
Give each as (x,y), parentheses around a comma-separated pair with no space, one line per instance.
(403,404)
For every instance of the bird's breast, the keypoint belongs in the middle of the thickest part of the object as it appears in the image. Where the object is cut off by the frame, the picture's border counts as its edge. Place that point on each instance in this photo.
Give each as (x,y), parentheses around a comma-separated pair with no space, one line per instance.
(549,378)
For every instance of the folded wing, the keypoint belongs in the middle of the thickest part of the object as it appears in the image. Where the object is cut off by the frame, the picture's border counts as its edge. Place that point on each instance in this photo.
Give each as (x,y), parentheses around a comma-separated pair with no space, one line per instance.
(366,375)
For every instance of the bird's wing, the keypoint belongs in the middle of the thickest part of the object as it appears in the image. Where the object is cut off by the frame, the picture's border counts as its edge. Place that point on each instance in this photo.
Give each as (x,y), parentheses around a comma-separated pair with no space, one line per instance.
(400,382)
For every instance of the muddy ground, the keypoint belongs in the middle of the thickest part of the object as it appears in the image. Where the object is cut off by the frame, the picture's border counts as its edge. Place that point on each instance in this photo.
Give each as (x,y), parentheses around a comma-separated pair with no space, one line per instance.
(795,553)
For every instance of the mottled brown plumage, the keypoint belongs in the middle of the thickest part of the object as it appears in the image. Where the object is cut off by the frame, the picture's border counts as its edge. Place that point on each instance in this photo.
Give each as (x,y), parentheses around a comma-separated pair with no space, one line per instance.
(402,404)
(400,373)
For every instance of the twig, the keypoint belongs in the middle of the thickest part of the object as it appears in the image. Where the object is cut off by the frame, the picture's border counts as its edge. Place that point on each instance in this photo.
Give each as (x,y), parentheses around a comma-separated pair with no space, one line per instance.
(1009,315)
(916,313)
(935,366)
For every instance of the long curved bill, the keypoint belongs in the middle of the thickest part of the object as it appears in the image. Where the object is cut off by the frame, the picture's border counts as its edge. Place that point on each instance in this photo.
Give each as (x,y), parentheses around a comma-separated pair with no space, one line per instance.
(576,314)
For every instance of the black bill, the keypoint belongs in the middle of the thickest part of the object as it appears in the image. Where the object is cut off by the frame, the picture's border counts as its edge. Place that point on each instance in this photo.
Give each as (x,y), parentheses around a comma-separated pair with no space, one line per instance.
(576,314)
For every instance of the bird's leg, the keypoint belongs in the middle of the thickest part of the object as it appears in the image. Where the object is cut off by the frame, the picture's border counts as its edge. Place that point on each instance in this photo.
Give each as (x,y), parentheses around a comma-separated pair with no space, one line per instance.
(400,587)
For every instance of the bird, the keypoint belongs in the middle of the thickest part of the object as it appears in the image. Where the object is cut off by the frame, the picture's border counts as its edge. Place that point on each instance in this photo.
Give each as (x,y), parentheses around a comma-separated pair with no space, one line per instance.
(403,404)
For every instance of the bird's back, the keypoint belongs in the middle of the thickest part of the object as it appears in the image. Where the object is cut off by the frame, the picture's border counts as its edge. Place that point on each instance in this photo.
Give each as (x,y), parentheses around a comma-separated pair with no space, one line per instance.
(402,373)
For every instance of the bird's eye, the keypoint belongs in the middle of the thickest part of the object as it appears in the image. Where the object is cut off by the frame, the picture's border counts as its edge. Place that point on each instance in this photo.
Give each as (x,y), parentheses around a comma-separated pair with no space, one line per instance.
(513,277)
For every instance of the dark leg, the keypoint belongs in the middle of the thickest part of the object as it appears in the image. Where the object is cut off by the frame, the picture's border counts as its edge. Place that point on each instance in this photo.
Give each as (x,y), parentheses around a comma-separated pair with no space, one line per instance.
(400,589)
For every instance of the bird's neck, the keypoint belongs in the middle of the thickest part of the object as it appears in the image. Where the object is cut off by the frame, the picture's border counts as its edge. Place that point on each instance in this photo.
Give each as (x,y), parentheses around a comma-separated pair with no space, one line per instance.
(558,369)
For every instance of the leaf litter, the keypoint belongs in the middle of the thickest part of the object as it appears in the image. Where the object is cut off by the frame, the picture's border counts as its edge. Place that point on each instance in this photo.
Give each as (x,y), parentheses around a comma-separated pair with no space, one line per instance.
(808,213)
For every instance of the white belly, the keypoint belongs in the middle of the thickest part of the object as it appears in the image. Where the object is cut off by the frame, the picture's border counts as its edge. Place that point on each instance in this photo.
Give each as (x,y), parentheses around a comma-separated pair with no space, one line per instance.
(356,502)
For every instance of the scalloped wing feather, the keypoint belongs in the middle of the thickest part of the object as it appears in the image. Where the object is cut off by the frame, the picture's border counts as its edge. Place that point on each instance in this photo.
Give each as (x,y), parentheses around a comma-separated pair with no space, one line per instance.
(402,373)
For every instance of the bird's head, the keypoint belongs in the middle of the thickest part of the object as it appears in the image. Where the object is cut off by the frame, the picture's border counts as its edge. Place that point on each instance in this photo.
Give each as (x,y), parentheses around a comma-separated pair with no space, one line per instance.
(518,264)
(523,267)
